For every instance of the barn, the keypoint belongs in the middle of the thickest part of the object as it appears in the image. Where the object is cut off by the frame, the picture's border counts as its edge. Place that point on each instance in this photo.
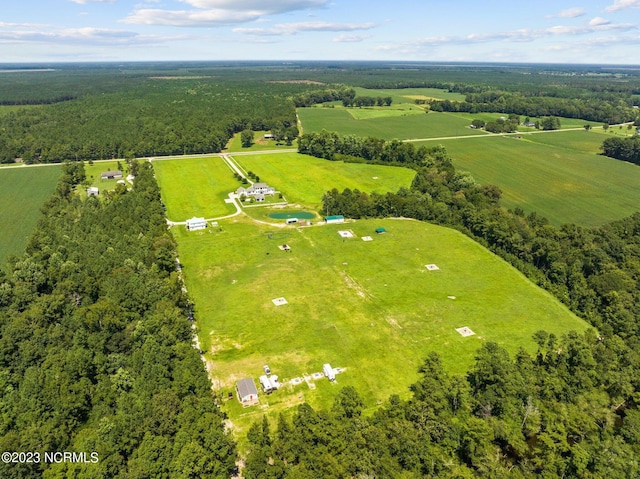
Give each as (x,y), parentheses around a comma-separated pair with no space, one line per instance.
(247,392)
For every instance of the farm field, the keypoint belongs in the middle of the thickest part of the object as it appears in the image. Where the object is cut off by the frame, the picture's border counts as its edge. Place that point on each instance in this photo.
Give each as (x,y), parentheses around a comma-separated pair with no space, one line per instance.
(195,187)
(305,179)
(410,126)
(371,307)
(558,174)
(22,192)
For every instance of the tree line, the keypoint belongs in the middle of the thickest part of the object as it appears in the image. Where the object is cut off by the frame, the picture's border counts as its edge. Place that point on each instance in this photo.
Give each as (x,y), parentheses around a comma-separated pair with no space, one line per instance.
(625,149)
(331,146)
(96,349)
(612,111)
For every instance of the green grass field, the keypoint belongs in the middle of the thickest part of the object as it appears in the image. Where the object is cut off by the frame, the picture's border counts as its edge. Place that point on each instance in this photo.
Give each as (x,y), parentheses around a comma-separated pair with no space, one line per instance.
(195,187)
(22,193)
(304,179)
(558,174)
(410,126)
(370,307)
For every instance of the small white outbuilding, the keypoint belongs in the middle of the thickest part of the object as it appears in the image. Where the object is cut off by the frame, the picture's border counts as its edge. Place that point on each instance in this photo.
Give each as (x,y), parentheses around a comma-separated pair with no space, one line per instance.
(195,224)
(329,372)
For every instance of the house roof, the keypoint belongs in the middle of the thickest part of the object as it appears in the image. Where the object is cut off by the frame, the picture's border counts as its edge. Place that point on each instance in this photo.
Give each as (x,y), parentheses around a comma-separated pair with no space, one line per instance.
(112,173)
(246,387)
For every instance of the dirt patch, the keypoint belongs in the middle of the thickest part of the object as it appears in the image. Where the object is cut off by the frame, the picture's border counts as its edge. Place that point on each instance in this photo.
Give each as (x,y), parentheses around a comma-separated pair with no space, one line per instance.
(393,322)
(353,284)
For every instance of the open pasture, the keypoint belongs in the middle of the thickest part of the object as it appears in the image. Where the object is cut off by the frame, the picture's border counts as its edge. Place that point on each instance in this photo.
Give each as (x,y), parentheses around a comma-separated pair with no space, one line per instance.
(408,95)
(22,193)
(565,123)
(195,187)
(372,307)
(410,126)
(557,174)
(305,179)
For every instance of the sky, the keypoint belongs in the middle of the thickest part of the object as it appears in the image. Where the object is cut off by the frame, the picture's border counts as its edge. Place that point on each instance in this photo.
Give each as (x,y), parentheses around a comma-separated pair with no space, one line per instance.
(523,31)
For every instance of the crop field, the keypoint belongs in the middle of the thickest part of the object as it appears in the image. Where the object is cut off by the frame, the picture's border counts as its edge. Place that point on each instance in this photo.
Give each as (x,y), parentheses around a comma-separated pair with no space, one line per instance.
(410,126)
(22,192)
(195,187)
(557,174)
(372,308)
(305,179)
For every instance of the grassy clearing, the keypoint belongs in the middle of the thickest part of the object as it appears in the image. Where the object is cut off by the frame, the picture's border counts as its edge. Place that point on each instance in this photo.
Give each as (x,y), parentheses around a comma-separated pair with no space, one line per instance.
(559,175)
(370,307)
(260,144)
(565,123)
(411,126)
(304,179)
(22,193)
(94,171)
(408,95)
(195,187)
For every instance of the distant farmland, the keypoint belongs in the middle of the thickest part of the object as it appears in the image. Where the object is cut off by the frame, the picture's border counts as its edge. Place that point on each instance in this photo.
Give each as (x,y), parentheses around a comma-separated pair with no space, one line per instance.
(559,175)
(22,193)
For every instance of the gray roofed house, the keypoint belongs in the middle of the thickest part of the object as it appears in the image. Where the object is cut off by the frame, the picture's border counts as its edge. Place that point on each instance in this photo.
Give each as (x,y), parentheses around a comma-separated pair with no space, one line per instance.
(110,175)
(247,392)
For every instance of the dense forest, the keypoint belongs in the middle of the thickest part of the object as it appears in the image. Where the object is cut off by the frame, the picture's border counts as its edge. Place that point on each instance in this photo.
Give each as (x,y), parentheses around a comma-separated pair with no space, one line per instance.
(96,349)
(146,117)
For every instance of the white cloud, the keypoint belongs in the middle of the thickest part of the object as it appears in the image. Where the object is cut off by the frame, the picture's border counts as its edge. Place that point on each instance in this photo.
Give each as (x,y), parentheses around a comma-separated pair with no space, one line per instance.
(84,2)
(190,18)
(347,38)
(293,28)
(272,6)
(622,4)
(81,36)
(211,13)
(514,36)
(569,13)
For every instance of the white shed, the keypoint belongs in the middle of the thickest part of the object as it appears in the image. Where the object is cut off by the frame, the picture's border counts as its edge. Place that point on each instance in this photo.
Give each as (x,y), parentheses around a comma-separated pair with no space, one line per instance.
(92,191)
(195,224)
(247,392)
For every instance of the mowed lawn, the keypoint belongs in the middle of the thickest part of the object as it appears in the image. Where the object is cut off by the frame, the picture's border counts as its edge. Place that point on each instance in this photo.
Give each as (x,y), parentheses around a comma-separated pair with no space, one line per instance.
(305,179)
(22,192)
(559,175)
(195,187)
(371,307)
(409,126)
